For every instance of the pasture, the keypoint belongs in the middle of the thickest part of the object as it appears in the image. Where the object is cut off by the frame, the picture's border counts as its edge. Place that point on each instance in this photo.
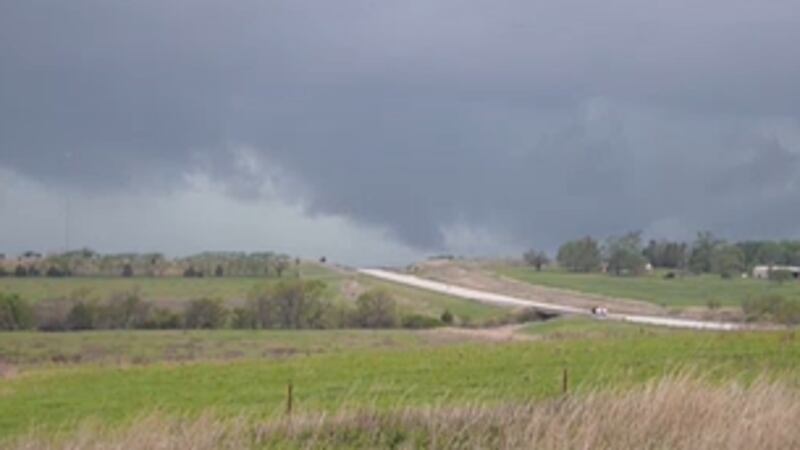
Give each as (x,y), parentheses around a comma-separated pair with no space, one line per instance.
(340,287)
(153,288)
(32,350)
(381,388)
(690,290)
(383,371)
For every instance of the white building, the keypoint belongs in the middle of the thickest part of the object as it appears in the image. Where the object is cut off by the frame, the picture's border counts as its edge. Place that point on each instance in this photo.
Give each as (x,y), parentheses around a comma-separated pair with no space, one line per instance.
(762,272)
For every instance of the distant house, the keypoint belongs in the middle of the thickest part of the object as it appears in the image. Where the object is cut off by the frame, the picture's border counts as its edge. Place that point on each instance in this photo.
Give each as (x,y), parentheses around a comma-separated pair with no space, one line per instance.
(762,272)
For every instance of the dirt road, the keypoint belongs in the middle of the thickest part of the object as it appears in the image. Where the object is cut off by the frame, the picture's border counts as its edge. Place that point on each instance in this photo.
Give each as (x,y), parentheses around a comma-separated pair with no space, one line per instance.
(513,301)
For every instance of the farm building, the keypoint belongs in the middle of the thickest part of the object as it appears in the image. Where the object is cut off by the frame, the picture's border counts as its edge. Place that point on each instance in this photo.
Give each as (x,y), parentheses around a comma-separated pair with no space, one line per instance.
(762,272)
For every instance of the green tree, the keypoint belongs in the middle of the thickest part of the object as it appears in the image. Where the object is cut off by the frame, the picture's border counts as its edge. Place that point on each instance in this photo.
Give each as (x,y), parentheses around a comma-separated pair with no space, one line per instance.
(288,304)
(667,254)
(727,261)
(624,254)
(536,259)
(205,313)
(376,309)
(281,264)
(581,255)
(770,253)
(15,313)
(700,259)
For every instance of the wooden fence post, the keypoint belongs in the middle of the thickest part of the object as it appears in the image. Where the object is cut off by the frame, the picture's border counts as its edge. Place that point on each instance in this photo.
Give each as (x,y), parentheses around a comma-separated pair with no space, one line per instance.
(565,382)
(289,389)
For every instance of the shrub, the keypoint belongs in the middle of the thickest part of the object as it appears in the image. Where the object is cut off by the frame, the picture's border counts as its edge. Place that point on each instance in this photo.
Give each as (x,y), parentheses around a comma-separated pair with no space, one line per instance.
(243,318)
(20,271)
(127,271)
(125,310)
(446,317)
(530,315)
(773,307)
(713,304)
(53,315)
(376,309)
(780,276)
(3,272)
(15,313)
(163,319)
(338,316)
(205,313)
(418,321)
(82,316)
(54,272)
(192,273)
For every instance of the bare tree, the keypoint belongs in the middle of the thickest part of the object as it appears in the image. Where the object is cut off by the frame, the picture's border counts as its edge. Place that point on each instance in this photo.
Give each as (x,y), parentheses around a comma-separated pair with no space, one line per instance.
(536,259)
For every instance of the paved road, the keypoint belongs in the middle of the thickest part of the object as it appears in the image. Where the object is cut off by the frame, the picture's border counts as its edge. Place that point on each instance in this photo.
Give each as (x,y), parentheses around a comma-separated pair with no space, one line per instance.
(505,300)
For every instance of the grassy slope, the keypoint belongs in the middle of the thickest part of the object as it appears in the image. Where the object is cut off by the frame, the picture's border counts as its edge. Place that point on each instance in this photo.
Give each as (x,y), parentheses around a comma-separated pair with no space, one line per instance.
(686,291)
(386,377)
(410,300)
(569,328)
(173,288)
(36,350)
(677,412)
(431,303)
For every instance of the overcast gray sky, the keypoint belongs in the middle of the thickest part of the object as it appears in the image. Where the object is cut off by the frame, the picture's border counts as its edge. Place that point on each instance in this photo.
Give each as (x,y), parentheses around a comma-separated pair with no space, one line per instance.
(379,132)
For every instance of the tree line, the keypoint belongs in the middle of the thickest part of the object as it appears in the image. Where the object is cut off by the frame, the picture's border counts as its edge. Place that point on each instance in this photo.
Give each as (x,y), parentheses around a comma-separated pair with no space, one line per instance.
(627,255)
(288,304)
(86,262)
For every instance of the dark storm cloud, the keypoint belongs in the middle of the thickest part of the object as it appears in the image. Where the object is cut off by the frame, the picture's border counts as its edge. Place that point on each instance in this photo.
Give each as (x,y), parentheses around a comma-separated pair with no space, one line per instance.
(535,120)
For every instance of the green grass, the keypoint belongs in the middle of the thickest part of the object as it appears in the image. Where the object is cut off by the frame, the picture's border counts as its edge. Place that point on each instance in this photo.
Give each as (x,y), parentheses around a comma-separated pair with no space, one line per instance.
(569,328)
(152,288)
(410,300)
(434,304)
(684,291)
(37,350)
(385,377)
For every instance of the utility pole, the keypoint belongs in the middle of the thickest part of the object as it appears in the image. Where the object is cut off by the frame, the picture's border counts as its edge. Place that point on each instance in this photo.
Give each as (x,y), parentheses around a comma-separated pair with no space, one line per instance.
(67,166)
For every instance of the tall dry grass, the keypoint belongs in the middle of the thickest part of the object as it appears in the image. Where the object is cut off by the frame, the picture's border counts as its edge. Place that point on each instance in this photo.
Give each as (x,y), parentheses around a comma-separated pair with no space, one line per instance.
(677,412)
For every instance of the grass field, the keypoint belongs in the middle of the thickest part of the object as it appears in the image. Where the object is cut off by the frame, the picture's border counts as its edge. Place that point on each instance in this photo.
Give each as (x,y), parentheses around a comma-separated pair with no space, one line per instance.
(393,388)
(36,350)
(353,371)
(431,303)
(233,289)
(678,292)
(152,288)
(675,412)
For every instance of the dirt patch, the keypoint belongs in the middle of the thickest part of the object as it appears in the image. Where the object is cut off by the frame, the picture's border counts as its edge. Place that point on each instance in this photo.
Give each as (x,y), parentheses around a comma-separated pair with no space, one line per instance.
(7,371)
(727,314)
(473,275)
(505,333)
(352,289)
